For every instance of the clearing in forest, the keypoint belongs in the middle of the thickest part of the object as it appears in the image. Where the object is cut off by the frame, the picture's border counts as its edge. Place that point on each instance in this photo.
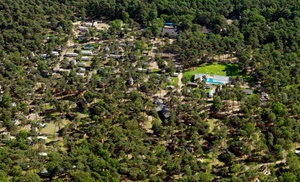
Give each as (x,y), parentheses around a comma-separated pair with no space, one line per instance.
(214,69)
(49,129)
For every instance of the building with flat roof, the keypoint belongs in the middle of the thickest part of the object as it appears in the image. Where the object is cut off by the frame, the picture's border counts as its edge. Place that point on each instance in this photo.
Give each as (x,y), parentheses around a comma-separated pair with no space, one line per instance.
(171,31)
(216,79)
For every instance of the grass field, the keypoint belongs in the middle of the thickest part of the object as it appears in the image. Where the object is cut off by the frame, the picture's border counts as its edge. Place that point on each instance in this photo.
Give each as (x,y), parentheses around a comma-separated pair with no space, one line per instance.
(174,82)
(50,129)
(214,69)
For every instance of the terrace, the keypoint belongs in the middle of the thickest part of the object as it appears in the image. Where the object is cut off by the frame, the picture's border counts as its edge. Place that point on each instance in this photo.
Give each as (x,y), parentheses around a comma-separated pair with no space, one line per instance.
(216,79)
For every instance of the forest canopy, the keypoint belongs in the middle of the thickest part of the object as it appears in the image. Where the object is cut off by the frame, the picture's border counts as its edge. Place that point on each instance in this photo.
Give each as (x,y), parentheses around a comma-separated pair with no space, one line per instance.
(103,103)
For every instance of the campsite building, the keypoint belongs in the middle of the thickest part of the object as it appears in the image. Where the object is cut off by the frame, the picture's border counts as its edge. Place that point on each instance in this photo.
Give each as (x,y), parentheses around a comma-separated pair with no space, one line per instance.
(85,58)
(71,54)
(86,53)
(216,79)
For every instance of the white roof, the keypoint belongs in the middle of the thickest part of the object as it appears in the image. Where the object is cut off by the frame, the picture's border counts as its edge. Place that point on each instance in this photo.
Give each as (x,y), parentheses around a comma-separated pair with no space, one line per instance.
(64,70)
(16,122)
(83,28)
(86,52)
(42,137)
(80,74)
(88,23)
(85,58)
(72,54)
(55,52)
(200,76)
(216,78)
(43,154)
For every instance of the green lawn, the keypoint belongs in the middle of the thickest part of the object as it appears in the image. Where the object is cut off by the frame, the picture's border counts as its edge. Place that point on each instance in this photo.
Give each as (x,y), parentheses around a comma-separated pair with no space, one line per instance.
(150,47)
(174,82)
(156,71)
(214,69)
(50,129)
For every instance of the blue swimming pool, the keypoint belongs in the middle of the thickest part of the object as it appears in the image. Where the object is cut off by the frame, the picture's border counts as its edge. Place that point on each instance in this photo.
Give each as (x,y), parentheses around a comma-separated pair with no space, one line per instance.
(211,81)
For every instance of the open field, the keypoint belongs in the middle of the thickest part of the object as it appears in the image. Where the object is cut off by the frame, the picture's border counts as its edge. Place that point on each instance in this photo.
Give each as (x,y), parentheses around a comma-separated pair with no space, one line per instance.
(174,81)
(214,69)
(50,129)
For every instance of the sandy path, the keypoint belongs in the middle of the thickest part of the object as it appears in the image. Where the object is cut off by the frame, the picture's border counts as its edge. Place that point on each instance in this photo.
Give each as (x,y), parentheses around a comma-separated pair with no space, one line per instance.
(179,80)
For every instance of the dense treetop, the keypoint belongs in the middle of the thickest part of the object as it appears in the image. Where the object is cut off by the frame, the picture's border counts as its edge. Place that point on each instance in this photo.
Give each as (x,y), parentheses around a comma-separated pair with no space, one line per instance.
(107,137)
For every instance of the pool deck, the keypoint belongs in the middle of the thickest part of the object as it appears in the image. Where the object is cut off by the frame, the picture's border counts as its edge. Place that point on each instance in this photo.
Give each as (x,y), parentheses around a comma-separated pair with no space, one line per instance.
(216,79)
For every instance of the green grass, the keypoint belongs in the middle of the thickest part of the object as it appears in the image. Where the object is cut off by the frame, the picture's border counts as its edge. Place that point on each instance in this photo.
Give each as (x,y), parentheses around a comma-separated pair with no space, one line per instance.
(150,47)
(174,82)
(214,69)
(50,129)
(155,70)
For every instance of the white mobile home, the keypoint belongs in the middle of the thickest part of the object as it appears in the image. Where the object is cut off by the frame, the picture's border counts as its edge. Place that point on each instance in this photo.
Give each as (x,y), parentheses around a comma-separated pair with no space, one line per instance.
(44,56)
(64,71)
(71,54)
(43,154)
(90,24)
(42,137)
(55,53)
(141,70)
(210,94)
(86,53)
(83,29)
(174,74)
(115,56)
(85,58)
(80,74)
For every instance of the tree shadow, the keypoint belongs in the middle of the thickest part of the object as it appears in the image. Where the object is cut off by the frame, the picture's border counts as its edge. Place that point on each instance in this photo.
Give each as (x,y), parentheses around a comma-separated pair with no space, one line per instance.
(232,70)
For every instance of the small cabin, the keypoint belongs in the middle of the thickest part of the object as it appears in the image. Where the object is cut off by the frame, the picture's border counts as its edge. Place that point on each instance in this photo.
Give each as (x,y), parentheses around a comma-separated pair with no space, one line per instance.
(87,53)
(210,94)
(85,58)
(55,53)
(71,54)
